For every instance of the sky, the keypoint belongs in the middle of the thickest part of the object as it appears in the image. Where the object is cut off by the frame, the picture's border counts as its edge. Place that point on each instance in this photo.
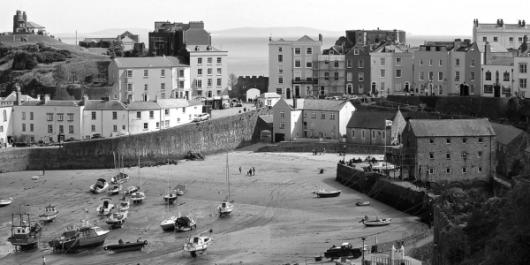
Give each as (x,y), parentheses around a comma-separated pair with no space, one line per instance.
(418,17)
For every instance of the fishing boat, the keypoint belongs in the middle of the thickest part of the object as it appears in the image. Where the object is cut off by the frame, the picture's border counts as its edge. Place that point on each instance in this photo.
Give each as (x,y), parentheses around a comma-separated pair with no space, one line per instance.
(185,223)
(170,197)
(114,190)
(168,224)
(345,250)
(137,196)
(75,238)
(323,193)
(226,207)
(100,186)
(24,235)
(124,204)
(106,206)
(6,202)
(50,213)
(126,246)
(120,178)
(198,244)
(376,222)
(363,203)
(117,219)
(180,189)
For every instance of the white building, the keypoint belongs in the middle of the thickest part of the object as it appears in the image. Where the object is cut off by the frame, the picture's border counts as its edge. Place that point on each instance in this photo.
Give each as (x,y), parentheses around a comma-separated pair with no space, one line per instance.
(176,112)
(5,123)
(509,36)
(149,78)
(269,99)
(48,120)
(209,71)
(521,75)
(292,67)
(104,118)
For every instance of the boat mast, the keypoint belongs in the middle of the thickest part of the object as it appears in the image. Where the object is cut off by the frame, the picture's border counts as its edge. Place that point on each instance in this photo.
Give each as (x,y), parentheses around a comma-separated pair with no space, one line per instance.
(228,175)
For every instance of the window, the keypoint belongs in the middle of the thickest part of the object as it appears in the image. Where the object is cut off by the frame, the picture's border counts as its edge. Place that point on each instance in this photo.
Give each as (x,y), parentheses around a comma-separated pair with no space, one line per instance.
(199,61)
(448,140)
(484,39)
(129,73)
(349,76)
(219,80)
(348,63)
(448,170)
(181,84)
(50,128)
(464,170)
(163,86)
(199,83)
(332,116)
(49,116)
(129,87)
(114,128)
(146,126)
(93,115)
(382,72)
(479,170)
(440,76)
(457,76)
(162,73)
(336,64)
(219,71)
(336,76)
(146,87)
(480,139)
(5,115)
(522,68)
(209,82)
(448,156)
(209,71)
(472,62)
(398,73)
(430,61)
(31,116)
(431,171)
(166,111)
(280,80)
(323,116)
(398,61)
(309,64)
(282,125)
(511,39)
(506,76)
(431,76)
(313,115)
(199,71)
(440,63)
(464,155)
(23,116)
(479,154)
(360,63)
(209,60)
(60,116)
(1,128)
(464,140)
(181,73)
(360,76)
(431,155)
(495,39)
(488,76)
(146,73)
(93,128)
(421,62)
(472,76)
(382,61)
(326,75)
(422,76)
(297,63)
(219,60)
(520,39)
(457,62)
(431,140)
(278,91)
(23,127)
(309,51)
(355,51)
(138,114)
(114,115)
(151,114)
(282,115)
(70,129)
(296,50)
(280,58)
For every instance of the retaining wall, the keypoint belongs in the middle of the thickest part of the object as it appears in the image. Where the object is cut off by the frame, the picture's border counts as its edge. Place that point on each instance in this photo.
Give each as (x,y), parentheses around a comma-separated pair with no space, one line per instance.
(331,147)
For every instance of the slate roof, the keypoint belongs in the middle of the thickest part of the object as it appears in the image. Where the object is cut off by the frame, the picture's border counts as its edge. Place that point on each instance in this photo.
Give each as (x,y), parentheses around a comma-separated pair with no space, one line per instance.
(271,95)
(104,105)
(494,47)
(496,27)
(370,119)
(505,133)
(143,62)
(172,103)
(323,104)
(13,97)
(266,118)
(59,103)
(450,127)
(30,24)
(305,38)
(143,105)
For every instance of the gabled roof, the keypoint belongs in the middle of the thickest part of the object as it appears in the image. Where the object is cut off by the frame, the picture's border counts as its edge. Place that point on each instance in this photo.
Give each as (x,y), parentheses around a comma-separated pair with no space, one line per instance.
(370,119)
(104,105)
(59,103)
(13,97)
(494,47)
(172,103)
(271,95)
(305,38)
(506,133)
(266,118)
(30,24)
(449,127)
(323,104)
(143,62)
(143,105)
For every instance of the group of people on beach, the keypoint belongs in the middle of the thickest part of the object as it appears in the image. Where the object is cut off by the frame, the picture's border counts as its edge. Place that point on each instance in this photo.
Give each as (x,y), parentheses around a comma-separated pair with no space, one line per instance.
(315,152)
(251,171)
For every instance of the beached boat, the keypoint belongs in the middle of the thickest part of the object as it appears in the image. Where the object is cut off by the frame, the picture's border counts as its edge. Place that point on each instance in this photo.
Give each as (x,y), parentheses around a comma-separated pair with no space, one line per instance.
(75,238)
(131,189)
(126,246)
(24,235)
(117,219)
(185,223)
(6,202)
(345,250)
(106,206)
(363,203)
(170,197)
(198,244)
(120,178)
(377,222)
(137,197)
(100,186)
(50,213)
(168,224)
(322,193)
(226,207)
(114,190)
(124,204)
(180,189)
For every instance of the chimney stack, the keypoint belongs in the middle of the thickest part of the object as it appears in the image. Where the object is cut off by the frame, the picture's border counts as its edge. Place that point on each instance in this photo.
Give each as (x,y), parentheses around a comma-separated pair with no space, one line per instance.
(85,100)
(18,94)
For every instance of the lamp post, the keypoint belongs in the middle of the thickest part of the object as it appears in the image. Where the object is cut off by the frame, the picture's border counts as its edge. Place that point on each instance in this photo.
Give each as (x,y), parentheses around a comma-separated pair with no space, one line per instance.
(362,262)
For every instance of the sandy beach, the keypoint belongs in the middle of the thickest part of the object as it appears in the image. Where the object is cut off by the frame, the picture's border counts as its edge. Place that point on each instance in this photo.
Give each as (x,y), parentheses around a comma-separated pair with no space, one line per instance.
(277,219)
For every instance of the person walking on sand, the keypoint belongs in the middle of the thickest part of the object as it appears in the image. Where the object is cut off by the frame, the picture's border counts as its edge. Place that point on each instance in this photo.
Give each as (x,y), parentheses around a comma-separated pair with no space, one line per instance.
(239,170)
(253,171)
(43,171)
(43,260)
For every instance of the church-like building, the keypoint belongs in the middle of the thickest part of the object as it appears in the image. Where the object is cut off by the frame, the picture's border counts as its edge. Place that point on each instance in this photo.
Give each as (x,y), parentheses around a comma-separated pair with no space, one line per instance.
(21,25)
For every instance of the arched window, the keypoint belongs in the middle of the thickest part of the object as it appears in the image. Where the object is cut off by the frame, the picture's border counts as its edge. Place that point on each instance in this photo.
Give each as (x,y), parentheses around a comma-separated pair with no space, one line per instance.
(506,76)
(488,76)
(349,88)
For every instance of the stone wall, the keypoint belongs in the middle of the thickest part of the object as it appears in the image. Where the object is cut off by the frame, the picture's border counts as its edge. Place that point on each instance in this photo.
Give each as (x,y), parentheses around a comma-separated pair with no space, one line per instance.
(331,147)
(153,148)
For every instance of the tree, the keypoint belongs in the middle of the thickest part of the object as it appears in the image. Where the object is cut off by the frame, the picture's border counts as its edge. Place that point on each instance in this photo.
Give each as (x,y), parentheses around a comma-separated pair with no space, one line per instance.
(232,85)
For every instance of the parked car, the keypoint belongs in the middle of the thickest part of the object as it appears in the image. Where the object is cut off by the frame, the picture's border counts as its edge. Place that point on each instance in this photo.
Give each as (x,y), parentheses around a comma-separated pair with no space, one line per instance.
(96,136)
(201,117)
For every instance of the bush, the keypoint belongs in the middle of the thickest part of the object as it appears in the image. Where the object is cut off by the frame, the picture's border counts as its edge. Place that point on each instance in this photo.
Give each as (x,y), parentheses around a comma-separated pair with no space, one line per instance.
(24,61)
(50,57)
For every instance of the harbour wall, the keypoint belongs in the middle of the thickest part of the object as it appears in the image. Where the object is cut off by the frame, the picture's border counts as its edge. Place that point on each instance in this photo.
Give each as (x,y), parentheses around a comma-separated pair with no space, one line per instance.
(152,148)
(330,147)
(406,199)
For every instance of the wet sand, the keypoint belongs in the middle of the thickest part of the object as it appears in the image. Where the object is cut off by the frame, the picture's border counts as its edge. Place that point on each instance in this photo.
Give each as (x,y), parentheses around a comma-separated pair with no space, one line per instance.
(276,220)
